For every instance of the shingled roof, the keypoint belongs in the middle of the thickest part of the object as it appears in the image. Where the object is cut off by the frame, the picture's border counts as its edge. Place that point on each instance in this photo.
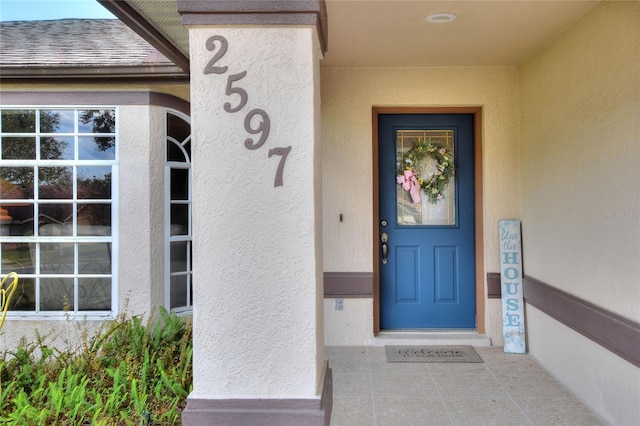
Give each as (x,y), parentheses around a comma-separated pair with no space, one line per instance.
(73,47)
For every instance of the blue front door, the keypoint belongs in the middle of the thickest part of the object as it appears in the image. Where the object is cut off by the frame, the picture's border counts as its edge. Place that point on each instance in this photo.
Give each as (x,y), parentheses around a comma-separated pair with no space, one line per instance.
(427,271)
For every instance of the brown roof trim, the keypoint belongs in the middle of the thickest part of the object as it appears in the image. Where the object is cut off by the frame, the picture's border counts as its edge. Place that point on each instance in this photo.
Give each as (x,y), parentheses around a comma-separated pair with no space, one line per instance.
(257,12)
(127,14)
(92,80)
(146,72)
(138,97)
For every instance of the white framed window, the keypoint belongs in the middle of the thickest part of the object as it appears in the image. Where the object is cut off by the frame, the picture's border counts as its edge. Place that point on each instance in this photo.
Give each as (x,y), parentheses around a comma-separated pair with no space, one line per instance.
(178,206)
(58,209)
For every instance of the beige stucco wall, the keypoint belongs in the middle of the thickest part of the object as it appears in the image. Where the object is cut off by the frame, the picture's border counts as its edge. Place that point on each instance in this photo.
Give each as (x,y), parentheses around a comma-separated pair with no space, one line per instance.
(580,182)
(141,209)
(348,95)
(257,265)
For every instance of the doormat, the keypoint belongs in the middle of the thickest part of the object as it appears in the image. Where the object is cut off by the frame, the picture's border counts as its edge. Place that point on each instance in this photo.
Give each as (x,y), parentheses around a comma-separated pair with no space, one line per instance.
(459,354)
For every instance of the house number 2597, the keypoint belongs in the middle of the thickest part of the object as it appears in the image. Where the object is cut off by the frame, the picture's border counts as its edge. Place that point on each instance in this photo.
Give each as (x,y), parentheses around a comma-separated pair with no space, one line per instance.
(257,121)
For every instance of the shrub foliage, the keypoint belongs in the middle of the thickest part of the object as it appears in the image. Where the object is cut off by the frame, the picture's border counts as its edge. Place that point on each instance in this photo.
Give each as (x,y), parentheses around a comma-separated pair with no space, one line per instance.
(127,374)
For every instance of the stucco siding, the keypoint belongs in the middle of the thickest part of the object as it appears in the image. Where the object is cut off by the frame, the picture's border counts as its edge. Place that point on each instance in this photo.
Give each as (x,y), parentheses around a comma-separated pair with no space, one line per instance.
(580,182)
(606,383)
(351,326)
(256,262)
(63,334)
(348,94)
(141,209)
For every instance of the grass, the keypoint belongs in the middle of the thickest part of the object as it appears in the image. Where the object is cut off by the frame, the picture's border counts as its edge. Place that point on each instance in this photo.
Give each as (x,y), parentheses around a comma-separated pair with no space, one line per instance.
(127,374)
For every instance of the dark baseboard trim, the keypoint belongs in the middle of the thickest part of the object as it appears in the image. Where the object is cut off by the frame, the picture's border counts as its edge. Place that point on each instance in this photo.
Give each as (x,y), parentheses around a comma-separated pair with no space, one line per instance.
(348,284)
(618,334)
(262,412)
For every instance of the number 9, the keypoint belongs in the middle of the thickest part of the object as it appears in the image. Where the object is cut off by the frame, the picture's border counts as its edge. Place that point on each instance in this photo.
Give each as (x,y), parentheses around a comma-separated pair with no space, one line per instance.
(263,128)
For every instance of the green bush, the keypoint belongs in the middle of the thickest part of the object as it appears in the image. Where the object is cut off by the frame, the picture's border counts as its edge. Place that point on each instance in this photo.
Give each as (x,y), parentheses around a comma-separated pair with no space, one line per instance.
(128,374)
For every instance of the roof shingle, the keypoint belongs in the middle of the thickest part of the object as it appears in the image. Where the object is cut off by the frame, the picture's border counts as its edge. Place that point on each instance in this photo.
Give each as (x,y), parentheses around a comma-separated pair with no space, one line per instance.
(74,42)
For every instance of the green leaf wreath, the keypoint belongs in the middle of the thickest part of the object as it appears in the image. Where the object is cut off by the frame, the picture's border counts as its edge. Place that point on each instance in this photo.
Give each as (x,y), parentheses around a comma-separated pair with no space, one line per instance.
(433,185)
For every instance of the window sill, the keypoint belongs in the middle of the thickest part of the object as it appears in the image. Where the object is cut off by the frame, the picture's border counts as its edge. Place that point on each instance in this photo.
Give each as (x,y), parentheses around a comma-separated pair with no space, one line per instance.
(62,316)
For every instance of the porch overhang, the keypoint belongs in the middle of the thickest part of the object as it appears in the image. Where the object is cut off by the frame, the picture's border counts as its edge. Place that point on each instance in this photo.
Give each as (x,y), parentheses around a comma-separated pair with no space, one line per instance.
(370,33)
(153,34)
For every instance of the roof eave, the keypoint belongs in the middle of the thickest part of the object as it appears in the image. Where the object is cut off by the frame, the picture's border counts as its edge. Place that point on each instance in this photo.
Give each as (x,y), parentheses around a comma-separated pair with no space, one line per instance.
(127,14)
(150,73)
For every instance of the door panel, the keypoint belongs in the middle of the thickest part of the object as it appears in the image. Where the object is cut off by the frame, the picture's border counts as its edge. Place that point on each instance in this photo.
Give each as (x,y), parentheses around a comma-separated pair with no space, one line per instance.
(409,264)
(444,276)
(428,280)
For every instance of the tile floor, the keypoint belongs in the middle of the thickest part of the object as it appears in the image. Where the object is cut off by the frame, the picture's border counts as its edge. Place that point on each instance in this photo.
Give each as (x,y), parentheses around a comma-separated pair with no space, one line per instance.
(506,389)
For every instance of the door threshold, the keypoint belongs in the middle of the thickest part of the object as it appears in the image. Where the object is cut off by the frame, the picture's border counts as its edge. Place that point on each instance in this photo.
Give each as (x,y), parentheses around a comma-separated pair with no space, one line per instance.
(431,337)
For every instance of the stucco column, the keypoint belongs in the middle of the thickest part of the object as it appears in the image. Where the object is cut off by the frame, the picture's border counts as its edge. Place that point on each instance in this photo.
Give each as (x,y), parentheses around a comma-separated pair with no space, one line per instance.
(255,110)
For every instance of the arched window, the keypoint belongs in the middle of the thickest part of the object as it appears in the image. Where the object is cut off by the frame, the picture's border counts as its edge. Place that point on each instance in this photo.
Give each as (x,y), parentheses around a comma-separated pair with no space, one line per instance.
(178,258)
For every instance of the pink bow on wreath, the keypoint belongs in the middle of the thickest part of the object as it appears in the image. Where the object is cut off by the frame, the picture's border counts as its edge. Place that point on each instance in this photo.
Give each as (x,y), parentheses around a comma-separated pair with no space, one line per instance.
(409,182)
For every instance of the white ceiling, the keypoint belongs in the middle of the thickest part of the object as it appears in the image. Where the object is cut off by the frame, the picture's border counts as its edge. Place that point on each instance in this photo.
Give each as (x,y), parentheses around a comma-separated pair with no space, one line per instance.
(486,33)
(391,33)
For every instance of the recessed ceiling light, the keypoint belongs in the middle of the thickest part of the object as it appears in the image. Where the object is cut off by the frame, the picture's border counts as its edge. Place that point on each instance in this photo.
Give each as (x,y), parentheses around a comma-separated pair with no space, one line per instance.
(441,18)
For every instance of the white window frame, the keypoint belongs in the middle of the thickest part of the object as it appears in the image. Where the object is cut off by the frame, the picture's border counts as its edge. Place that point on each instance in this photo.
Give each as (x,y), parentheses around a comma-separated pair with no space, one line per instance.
(113,239)
(188,309)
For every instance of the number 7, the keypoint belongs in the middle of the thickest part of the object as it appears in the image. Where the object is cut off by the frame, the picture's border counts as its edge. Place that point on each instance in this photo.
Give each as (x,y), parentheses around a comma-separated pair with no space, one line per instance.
(283,152)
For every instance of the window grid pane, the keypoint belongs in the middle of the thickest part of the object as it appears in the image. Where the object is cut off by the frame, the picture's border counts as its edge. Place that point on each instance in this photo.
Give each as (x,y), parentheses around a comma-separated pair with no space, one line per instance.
(55,207)
(423,212)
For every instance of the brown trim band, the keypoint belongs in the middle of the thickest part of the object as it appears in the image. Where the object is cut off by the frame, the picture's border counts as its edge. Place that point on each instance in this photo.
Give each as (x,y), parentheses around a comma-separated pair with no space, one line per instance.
(618,334)
(94,98)
(348,284)
(262,12)
(170,101)
(144,29)
(262,412)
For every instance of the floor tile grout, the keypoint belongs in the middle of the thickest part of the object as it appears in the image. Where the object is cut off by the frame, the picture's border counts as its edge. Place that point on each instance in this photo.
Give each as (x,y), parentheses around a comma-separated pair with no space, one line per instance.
(510,396)
(442,400)
(483,393)
(373,397)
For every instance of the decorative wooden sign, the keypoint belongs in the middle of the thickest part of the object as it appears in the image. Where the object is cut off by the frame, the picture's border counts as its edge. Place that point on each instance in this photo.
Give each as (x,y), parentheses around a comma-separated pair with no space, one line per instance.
(513,329)
(264,124)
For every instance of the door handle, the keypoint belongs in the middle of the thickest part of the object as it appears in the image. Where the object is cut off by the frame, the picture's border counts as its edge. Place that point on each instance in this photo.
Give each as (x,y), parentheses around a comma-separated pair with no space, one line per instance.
(384,238)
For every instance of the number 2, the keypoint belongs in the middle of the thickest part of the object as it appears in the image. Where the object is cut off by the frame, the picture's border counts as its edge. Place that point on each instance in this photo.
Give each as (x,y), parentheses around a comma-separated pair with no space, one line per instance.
(210,67)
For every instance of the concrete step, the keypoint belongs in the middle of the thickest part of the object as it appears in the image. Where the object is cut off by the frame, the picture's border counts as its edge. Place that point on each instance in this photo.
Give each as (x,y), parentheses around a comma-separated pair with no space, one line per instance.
(420,338)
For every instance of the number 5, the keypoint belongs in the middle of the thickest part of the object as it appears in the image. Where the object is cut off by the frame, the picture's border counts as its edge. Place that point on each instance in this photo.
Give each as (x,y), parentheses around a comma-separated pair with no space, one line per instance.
(238,90)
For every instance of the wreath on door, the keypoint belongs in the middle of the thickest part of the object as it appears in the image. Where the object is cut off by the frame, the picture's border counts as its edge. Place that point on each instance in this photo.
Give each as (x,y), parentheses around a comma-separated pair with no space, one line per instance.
(433,185)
